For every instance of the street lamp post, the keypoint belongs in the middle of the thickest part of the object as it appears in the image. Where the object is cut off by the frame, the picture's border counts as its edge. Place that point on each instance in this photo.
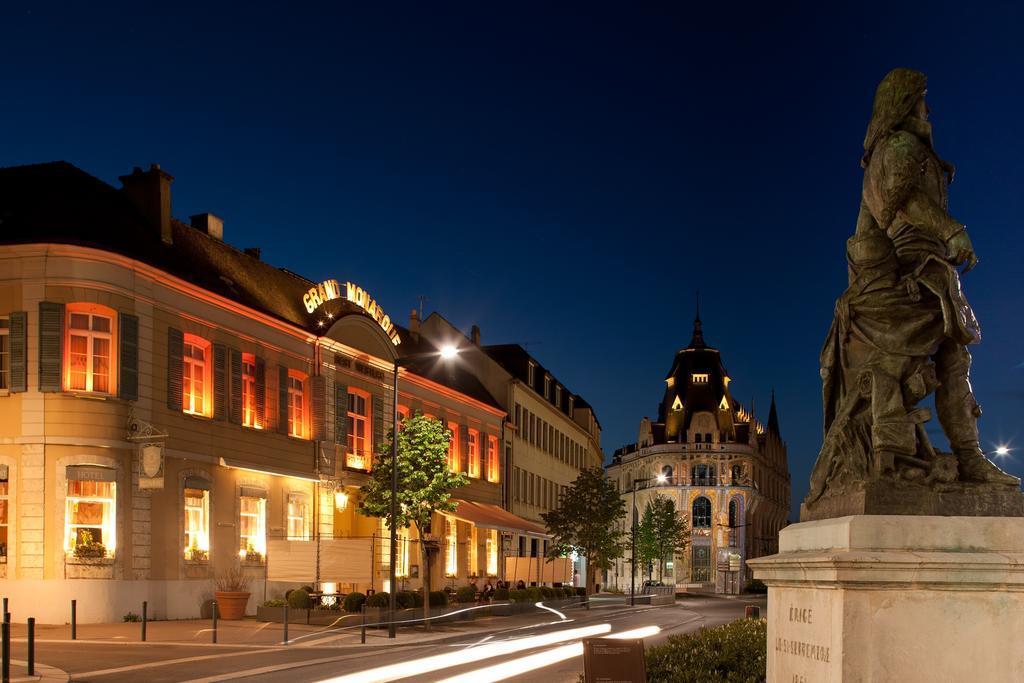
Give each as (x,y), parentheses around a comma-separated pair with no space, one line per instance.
(661,479)
(446,353)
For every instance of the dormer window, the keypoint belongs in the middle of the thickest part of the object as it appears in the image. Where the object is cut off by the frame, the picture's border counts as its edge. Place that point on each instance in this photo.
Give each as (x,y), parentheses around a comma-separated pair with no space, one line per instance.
(700,378)
(572,402)
(547,387)
(558,395)
(530,366)
(677,404)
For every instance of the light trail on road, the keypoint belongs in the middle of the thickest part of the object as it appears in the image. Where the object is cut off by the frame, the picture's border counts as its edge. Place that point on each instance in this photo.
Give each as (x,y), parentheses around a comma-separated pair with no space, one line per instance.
(414,667)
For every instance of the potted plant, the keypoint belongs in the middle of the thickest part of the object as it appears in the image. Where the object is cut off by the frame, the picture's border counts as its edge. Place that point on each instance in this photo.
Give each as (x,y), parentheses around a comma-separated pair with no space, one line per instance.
(196,554)
(232,593)
(252,555)
(88,548)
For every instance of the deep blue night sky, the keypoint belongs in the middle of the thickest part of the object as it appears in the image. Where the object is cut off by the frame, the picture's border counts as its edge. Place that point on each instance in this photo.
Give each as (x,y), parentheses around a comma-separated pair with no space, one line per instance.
(563,178)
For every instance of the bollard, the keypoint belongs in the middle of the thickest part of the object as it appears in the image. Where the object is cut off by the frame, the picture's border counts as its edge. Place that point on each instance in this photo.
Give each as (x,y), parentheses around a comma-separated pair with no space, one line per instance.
(752,612)
(144,604)
(31,646)
(286,624)
(5,605)
(74,619)
(214,621)
(5,638)
(362,629)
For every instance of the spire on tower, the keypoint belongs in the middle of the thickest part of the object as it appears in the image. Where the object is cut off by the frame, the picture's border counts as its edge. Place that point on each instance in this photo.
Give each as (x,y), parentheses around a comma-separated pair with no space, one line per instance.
(697,342)
(773,417)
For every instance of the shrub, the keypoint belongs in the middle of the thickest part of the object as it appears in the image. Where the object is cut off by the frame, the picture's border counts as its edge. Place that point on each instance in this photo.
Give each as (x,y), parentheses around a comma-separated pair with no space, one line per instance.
(417,597)
(405,599)
(275,603)
(534,593)
(380,599)
(567,592)
(547,592)
(465,594)
(298,599)
(581,591)
(438,599)
(131,616)
(233,580)
(500,594)
(519,595)
(756,586)
(733,652)
(354,602)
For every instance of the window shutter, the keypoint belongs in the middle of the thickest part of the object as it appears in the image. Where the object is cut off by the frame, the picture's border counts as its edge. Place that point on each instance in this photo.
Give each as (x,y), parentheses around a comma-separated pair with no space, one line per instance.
(175,367)
(378,422)
(464,447)
(220,382)
(18,336)
(235,410)
(318,406)
(261,392)
(340,414)
(128,363)
(282,399)
(51,345)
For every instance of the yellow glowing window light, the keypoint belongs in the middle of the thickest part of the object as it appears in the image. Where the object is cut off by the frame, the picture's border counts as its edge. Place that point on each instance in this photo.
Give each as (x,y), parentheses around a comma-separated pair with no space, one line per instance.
(250,418)
(3,515)
(359,450)
(90,515)
(402,560)
(252,527)
(298,518)
(492,552)
(453,448)
(88,350)
(195,377)
(492,460)
(296,404)
(474,566)
(474,454)
(197,523)
(451,565)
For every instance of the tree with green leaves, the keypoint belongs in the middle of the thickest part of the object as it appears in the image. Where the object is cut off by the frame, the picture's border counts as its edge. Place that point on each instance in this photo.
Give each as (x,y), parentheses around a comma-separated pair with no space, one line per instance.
(647,547)
(667,533)
(587,523)
(425,483)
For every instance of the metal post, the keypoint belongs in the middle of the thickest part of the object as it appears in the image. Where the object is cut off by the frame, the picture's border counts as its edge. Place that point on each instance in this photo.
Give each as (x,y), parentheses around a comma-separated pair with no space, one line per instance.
(31,646)
(214,621)
(144,606)
(632,557)
(286,624)
(5,637)
(362,629)
(74,619)
(5,605)
(394,507)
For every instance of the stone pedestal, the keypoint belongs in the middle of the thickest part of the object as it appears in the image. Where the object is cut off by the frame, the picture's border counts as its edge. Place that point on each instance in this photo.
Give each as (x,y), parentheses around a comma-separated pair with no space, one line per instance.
(896,598)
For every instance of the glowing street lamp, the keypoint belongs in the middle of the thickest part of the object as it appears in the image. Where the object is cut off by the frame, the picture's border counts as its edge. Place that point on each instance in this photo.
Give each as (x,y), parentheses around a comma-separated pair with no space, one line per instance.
(1002,450)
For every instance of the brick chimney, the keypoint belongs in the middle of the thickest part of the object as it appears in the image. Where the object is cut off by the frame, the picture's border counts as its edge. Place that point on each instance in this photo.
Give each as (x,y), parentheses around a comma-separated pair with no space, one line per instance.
(414,324)
(150,192)
(210,224)
(474,335)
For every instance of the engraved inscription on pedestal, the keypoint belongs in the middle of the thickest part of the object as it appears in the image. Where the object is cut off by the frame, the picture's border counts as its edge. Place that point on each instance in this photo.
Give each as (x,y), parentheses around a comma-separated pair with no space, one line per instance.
(799,636)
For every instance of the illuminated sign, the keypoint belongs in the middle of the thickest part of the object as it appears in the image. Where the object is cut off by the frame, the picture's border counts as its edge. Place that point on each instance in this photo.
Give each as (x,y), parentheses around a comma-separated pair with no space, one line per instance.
(329,290)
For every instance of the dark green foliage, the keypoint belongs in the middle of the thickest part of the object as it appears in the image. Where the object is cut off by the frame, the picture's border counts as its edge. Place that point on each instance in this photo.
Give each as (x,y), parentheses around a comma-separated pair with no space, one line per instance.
(438,599)
(131,616)
(405,599)
(380,599)
(299,599)
(756,586)
(581,591)
(534,593)
(465,594)
(500,594)
(733,653)
(547,592)
(275,603)
(519,595)
(354,602)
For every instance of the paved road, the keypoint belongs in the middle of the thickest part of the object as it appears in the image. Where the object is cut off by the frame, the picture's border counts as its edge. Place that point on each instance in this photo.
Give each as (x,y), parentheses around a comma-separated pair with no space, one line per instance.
(532,641)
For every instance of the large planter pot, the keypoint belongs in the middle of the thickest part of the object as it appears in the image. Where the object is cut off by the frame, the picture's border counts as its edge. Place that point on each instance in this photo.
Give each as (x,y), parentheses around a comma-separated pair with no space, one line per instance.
(231,604)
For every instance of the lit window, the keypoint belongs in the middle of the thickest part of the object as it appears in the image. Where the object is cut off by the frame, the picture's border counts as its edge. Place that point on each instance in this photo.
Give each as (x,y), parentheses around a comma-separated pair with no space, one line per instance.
(197,524)
(4,503)
(474,454)
(403,415)
(297,413)
(701,513)
(5,363)
(358,430)
(298,517)
(474,565)
(454,459)
(195,376)
(451,564)
(250,418)
(492,459)
(252,528)
(700,378)
(402,539)
(558,395)
(90,518)
(90,339)
(492,552)
(529,373)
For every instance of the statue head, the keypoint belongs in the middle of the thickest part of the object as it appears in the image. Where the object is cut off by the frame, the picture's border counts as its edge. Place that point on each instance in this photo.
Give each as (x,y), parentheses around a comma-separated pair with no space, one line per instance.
(899,95)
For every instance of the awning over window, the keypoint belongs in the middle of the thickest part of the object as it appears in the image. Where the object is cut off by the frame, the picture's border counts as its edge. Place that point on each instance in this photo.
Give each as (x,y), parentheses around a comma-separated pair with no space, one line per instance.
(486,516)
(267,469)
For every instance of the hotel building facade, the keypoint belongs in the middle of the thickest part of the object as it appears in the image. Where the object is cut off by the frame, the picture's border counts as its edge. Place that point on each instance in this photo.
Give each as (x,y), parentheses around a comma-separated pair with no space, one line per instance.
(171,406)
(726,472)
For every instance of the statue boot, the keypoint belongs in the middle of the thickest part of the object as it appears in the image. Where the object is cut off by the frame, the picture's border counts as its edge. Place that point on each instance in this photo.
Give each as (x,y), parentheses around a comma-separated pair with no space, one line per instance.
(975,467)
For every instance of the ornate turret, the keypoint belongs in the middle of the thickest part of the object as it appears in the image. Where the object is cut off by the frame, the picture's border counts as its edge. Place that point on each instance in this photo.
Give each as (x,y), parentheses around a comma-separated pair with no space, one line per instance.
(773,418)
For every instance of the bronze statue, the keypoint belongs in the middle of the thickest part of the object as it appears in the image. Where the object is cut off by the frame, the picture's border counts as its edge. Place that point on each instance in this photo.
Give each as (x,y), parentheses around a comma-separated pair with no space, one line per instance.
(900,333)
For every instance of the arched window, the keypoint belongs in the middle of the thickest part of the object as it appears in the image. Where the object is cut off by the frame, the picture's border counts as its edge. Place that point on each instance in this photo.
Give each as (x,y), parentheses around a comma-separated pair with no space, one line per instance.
(701,513)
(666,472)
(737,474)
(696,438)
(733,514)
